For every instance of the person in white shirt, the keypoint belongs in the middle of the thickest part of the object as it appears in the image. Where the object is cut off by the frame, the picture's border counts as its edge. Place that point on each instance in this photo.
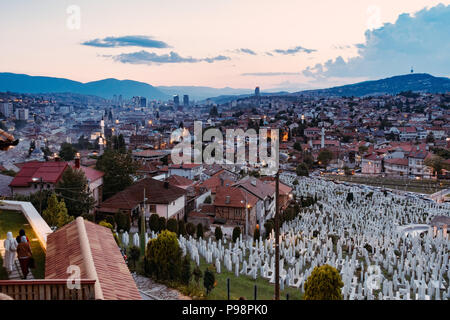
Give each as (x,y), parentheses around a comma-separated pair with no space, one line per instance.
(10,245)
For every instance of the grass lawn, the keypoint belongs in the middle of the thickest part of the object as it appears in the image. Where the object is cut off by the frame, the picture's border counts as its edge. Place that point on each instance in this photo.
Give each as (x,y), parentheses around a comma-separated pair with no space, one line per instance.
(243,286)
(426,186)
(14,221)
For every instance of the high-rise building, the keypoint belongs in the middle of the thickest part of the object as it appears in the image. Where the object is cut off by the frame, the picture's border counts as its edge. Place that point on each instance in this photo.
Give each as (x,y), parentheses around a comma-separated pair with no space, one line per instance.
(142,102)
(257,91)
(22,114)
(6,109)
(186,100)
(176,100)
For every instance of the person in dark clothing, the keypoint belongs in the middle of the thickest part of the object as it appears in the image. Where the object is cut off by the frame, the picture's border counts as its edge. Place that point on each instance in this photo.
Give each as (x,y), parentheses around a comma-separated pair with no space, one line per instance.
(21,234)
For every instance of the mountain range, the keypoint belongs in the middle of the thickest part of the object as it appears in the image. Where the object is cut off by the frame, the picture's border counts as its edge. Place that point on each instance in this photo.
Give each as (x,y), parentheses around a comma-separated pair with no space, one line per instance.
(107,88)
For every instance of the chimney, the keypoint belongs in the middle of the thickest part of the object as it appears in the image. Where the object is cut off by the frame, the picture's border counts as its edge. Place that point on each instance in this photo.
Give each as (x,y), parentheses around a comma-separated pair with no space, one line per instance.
(221,181)
(77,161)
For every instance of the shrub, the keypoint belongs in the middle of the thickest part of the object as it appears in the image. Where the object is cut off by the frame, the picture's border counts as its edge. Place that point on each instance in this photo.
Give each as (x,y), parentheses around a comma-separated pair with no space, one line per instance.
(324,283)
(172,225)
(110,220)
(154,222)
(186,273)
(208,199)
(197,273)
(350,197)
(218,233)
(268,226)
(106,224)
(134,254)
(163,257)
(122,220)
(236,233)
(190,229)
(199,231)
(209,280)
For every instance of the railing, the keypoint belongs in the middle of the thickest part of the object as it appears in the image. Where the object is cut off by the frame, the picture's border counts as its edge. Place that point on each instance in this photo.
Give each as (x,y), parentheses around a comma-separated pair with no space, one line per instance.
(47,289)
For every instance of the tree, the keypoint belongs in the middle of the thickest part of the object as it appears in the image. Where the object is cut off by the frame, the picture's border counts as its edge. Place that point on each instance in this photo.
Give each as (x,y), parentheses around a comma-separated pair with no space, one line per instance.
(190,229)
(154,222)
(56,213)
(256,233)
(172,225)
(430,137)
(122,220)
(209,280)
(213,112)
(118,168)
(186,273)
(67,152)
(325,156)
(349,197)
(197,273)
(163,257)
(134,253)
(218,233)
(208,199)
(302,170)
(436,163)
(268,226)
(236,233)
(297,146)
(308,160)
(181,228)
(74,188)
(162,224)
(324,283)
(199,231)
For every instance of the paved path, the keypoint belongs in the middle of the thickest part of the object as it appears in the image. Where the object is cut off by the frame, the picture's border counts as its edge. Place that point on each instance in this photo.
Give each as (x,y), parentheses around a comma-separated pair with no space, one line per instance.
(151,290)
(16,274)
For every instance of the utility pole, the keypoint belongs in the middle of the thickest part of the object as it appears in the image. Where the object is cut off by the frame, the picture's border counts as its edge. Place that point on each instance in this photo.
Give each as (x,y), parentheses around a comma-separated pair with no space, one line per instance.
(277,237)
(142,226)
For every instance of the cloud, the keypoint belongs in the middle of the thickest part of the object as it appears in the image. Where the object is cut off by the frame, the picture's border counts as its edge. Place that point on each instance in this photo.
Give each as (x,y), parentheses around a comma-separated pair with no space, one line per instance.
(145,57)
(270,74)
(245,50)
(419,41)
(295,50)
(126,41)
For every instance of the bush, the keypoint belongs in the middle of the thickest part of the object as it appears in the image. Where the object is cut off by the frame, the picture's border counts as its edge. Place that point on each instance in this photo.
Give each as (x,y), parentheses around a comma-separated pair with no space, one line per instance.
(236,233)
(218,233)
(209,280)
(190,229)
(163,257)
(134,254)
(161,224)
(186,273)
(350,197)
(302,170)
(181,228)
(106,224)
(172,225)
(154,222)
(199,231)
(324,283)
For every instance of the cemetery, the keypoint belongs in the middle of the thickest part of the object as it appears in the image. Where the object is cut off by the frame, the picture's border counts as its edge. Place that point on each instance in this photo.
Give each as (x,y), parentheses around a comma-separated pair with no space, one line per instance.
(382,244)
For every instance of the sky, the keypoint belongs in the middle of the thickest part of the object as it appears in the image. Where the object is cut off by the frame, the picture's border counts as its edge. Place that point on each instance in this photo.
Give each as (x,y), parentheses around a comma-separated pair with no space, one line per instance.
(278,45)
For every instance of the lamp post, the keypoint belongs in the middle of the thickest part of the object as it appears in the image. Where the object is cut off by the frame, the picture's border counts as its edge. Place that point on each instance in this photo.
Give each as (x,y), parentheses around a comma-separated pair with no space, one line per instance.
(41,185)
(277,237)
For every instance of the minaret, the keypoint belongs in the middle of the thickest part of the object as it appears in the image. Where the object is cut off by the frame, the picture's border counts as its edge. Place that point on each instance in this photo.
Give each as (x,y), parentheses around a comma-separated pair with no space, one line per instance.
(322,140)
(101,141)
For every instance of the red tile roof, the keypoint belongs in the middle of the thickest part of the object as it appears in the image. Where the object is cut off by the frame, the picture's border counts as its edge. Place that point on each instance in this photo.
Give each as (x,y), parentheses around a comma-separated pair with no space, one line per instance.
(233,197)
(50,172)
(179,181)
(64,248)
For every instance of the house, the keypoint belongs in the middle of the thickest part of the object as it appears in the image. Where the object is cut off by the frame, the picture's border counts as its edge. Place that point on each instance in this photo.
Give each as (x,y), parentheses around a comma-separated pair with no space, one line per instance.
(28,179)
(233,205)
(149,155)
(371,164)
(191,171)
(161,197)
(396,166)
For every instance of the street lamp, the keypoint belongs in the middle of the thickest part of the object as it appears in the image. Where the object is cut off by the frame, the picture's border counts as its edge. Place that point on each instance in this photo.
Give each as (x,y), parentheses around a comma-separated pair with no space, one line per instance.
(41,183)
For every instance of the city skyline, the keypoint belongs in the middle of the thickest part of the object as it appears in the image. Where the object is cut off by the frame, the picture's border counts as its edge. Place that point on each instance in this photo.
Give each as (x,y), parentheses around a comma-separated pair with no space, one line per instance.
(256,43)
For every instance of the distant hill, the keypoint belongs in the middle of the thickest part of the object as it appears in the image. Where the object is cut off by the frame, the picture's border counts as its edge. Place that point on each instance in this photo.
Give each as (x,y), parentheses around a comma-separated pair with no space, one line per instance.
(417,82)
(106,88)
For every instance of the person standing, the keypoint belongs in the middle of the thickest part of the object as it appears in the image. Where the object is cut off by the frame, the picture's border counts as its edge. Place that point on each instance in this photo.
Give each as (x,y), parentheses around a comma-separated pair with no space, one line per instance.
(21,234)
(10,245)
(24,254)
